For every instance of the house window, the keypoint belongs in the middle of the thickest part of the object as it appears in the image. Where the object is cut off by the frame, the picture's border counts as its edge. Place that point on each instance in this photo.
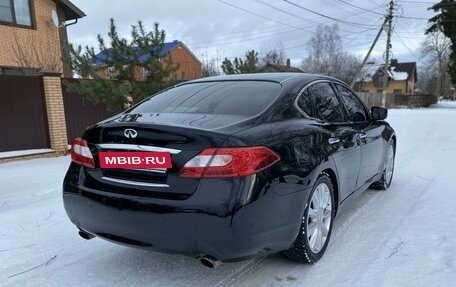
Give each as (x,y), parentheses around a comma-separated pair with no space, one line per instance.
(16,12)
(146,73)
(111,72)
(397,91)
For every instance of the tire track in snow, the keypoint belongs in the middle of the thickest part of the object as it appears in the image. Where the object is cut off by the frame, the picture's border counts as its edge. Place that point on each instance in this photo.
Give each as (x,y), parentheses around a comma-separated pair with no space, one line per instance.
(235,278)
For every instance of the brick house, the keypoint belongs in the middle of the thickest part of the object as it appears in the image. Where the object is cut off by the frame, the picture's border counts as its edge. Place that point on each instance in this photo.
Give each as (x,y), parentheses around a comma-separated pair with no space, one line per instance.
(189,65)
(401,78)
(30,40)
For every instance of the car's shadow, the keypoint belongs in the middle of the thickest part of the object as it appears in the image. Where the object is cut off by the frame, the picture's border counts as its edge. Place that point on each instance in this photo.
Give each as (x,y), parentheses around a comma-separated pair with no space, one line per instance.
(175,270)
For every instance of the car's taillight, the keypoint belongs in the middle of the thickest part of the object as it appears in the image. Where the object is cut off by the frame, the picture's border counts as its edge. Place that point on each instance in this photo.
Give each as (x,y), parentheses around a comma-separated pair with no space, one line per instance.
(229,162)
(80,153)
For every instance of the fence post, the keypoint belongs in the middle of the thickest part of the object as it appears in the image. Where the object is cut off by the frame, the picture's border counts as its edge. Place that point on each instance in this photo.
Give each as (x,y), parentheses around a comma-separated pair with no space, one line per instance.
(55,111)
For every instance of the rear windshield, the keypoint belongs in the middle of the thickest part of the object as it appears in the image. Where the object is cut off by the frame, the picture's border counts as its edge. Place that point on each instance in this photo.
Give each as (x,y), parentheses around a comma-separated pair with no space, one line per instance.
(232,98)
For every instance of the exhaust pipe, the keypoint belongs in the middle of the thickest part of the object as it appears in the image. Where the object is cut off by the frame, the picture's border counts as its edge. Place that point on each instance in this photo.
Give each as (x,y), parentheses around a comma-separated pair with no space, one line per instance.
(210,261)
(85,235)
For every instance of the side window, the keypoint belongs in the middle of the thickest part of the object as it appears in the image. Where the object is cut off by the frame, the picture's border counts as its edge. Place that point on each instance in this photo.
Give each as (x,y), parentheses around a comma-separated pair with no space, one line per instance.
(305,103)
(355,109)
(327,106)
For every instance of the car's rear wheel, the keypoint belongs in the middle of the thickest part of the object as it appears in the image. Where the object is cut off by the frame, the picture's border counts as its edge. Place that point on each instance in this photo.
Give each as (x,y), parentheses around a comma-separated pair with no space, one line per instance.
(387,175)
(316,225)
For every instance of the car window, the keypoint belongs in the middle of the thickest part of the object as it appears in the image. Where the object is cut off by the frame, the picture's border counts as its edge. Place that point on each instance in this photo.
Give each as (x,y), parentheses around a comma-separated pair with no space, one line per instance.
(355,109)
(227,97)
(305,103)
(327,106)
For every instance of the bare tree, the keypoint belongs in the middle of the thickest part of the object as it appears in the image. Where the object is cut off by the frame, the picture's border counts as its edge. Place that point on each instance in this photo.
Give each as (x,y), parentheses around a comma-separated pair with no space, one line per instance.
(326,55)
(211,64)
(273,56)
(210,68)
(37,53)
(436,50)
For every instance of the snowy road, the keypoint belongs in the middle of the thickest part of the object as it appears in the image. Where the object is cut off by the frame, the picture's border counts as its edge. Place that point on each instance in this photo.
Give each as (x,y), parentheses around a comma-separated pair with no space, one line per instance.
(405,236)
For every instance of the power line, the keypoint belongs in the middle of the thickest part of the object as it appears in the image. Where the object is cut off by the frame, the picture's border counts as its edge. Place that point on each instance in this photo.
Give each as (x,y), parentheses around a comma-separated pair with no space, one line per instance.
(413,18)
(284,11)
(417,2)
(360,17)
(262,16)
(403,43)
(342,37)
(262,33)
(246,39)
(296,16)
(376,4)
(360,8)
(326,16)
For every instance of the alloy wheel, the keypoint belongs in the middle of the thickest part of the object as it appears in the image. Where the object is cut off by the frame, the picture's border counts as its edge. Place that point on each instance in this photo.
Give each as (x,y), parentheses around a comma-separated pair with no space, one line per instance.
(389,165)
(319,218)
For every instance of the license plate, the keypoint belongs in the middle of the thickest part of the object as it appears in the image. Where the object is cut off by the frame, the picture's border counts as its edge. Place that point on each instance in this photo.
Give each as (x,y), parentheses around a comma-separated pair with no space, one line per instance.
(135,160)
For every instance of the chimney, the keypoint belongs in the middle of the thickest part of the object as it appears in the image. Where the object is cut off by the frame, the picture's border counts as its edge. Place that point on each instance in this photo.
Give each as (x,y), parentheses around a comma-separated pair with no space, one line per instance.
(394,62)
(288,63)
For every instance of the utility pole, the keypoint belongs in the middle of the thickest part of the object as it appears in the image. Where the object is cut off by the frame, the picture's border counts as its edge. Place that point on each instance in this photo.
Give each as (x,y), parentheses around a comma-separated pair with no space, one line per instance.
(389,21)
(352,84)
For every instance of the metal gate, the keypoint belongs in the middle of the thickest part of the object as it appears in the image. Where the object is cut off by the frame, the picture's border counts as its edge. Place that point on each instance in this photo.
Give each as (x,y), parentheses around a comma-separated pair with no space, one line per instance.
(23,117)
(81,113)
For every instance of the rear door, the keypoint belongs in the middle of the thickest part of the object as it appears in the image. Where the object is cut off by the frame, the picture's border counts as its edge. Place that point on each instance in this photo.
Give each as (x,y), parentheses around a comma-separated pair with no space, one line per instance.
(319,101)
(369,135)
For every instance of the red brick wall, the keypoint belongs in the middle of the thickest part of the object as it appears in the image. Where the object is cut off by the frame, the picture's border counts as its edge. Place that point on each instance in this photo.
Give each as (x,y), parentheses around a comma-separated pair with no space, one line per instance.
(41,41)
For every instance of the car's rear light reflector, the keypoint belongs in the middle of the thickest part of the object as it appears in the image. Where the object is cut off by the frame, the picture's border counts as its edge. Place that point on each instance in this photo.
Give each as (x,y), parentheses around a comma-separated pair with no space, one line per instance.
(229,162)
(80,153)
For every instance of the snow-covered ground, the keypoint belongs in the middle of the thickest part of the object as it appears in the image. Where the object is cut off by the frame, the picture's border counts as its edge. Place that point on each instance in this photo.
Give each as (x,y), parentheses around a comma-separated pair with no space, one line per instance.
(405,236)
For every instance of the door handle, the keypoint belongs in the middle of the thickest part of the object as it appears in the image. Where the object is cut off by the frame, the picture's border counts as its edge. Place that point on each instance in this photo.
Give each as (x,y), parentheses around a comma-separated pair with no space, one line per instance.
(362,135)
(333,140)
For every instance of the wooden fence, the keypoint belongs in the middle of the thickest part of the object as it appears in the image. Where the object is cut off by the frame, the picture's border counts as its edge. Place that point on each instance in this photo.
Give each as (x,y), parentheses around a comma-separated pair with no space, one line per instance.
(371,99)
(394,101)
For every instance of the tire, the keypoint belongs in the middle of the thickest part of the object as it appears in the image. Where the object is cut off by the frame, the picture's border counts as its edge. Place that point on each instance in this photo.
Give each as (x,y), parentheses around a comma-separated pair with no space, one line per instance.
(307,248)
(387,175)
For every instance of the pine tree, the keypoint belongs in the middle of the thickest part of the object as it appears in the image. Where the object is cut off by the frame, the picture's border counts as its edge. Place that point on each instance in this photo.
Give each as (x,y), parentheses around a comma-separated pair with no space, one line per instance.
(242,66)
(445,21)
(123,57)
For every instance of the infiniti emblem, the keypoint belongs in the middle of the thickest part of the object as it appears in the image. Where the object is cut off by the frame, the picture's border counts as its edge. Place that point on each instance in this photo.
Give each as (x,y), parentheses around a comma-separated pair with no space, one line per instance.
(130,133)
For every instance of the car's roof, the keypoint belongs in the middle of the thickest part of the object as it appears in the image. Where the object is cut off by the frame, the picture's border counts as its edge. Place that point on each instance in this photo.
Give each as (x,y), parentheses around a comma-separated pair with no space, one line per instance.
(273,77)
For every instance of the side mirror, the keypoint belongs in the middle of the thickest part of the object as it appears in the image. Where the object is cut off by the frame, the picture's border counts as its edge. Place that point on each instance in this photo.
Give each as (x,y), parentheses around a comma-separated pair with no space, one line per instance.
(379,113)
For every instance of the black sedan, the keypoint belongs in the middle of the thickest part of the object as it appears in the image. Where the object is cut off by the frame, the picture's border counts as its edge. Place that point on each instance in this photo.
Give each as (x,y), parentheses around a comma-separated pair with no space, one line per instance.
(258,164)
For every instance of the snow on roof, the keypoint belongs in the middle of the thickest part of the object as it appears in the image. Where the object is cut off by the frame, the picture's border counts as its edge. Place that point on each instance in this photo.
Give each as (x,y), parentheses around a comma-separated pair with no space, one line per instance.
(371,70)
(396,71)
(398,76)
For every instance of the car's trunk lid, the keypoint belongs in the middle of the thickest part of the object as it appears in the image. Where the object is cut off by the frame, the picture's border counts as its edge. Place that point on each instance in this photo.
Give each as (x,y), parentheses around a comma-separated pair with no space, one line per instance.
(183,135)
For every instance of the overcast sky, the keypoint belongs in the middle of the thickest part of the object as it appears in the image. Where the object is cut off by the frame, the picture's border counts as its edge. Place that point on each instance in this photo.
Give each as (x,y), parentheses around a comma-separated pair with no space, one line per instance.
(215,29)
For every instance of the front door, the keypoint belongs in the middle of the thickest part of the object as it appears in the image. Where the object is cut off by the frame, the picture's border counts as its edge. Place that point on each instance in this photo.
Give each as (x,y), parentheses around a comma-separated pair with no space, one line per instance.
(368,133)
(339,137)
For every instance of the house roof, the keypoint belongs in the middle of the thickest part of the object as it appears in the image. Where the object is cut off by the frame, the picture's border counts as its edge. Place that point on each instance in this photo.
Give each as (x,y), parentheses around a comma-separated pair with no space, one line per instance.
(71,11)
(397,68)
(167,47)
(396,71)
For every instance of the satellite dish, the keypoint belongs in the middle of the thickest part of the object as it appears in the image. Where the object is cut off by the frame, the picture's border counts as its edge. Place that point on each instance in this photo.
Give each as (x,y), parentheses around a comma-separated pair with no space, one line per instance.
(55,19)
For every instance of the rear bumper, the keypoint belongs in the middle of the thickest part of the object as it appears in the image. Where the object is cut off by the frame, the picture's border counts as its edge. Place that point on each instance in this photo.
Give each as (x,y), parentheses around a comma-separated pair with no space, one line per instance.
(217,220)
